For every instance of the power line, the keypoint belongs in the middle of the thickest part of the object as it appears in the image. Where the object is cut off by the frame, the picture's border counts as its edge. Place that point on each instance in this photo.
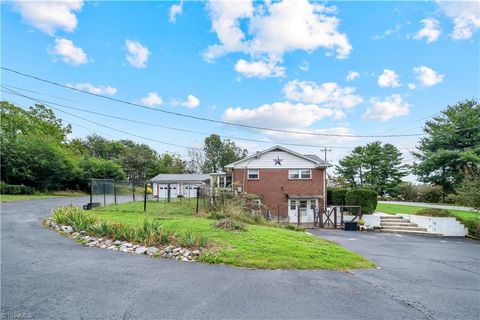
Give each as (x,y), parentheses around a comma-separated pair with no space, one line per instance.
(162,126)
(118,130)
(203,118)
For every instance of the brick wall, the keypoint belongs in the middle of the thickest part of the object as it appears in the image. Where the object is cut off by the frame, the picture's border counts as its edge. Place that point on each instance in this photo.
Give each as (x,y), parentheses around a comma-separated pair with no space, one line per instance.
(274,184)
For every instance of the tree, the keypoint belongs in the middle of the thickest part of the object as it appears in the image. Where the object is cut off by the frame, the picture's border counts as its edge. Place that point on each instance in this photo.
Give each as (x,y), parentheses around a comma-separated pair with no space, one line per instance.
(375,165)
(32,148)
(451,147)
(196,161)
(469,190)
(171,163)
(219,153)
(138,161)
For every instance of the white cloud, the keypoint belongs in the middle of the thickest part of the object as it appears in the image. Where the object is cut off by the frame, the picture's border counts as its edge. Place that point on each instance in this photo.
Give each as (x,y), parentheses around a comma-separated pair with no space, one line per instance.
(427,76)
(281,115)
(329,94)
(137,54)
(274,28)
(191,102)
(411,86)
(49,16)
(152,99)
(312,139)
(392,107)
(388,78)
(175,10)
(260,69)
(108,90)
(69,53)
(465,16)
(352,75)
(388,32)
(431,30)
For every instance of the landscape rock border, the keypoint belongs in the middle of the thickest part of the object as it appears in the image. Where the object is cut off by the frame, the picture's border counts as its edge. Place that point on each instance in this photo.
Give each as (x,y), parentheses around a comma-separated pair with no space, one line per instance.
(167,251)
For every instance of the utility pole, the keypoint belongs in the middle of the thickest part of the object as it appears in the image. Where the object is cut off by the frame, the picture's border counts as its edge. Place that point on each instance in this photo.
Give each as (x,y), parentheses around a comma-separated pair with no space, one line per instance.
(325,150)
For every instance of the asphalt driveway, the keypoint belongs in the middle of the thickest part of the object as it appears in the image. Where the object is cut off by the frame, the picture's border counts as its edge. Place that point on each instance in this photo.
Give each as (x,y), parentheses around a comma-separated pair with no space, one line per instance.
(45,275)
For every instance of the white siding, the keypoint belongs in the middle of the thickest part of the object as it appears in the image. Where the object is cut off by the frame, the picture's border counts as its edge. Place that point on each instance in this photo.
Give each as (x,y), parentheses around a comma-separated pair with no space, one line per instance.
(266,161)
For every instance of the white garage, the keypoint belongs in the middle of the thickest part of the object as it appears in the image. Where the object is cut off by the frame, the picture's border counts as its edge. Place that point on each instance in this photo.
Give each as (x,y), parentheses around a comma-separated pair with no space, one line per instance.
(178,185)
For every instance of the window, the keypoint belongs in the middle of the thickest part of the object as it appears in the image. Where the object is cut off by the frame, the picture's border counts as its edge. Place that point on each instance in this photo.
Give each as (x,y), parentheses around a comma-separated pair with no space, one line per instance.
(293,174)
(299,174)
(293,204)
(313,204)
(253,174)
(305,174)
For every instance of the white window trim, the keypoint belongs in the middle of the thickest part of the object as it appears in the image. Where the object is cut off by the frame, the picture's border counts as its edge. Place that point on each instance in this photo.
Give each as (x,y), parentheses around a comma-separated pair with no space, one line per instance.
(299,172)
(248,174)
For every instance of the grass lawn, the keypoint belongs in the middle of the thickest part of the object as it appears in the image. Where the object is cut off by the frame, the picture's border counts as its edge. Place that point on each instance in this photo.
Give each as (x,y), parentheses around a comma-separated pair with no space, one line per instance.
(257,247)
(471,219)
(19,197)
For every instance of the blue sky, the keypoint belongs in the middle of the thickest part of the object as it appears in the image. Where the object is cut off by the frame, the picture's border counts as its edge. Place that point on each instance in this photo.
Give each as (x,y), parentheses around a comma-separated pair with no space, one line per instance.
(277,65)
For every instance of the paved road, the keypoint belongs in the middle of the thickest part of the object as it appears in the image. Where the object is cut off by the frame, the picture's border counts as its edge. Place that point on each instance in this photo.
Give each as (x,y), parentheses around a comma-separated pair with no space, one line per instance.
(428,205)
(46,275)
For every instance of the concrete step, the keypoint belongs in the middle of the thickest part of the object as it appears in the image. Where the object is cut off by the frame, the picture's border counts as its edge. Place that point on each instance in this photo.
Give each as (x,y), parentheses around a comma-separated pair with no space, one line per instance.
(394,220)
(407,228)
(391,217)
(423,233)
(400,224)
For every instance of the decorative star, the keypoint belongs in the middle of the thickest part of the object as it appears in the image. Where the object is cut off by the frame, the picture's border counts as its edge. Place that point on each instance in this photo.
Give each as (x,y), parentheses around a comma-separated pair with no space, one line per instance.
(278,161)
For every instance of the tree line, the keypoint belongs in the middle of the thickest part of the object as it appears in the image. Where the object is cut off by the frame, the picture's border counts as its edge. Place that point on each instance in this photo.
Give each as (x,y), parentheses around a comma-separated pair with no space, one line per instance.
(36,151)
(447,159)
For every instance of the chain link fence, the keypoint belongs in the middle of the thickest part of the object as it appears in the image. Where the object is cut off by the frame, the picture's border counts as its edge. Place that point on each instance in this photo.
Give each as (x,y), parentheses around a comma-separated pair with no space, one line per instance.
(105,192)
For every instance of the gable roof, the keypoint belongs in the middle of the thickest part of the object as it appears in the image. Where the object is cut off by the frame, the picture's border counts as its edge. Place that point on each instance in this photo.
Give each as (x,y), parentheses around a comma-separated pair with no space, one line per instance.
(309,157)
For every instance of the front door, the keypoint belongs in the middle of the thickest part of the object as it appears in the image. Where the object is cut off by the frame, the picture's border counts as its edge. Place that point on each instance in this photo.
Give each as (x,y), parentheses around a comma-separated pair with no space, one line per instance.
(303,209)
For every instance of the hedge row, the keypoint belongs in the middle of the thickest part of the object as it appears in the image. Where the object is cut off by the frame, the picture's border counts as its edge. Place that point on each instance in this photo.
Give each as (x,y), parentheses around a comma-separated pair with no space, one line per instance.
(15,189)
(365,198)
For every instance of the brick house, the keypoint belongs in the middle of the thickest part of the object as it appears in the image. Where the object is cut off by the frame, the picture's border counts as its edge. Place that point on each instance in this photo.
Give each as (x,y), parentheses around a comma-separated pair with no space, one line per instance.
(284,180)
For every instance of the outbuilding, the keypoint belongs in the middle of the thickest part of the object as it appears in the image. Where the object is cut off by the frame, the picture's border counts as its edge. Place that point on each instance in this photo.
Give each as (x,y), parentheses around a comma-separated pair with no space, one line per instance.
(166,186)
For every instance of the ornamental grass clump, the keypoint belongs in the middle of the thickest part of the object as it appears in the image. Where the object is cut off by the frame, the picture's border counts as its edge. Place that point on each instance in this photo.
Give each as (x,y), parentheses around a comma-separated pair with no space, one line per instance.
(77,218)
(191,240)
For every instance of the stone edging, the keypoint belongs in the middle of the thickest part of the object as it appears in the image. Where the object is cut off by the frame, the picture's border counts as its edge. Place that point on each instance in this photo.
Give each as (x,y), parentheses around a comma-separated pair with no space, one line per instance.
(168,251)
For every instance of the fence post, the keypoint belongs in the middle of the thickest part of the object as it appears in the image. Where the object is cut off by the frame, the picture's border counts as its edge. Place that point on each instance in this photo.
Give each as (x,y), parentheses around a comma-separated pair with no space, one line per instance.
(298,214)
(335,218)
(320,213)
(198,196)
(91,191)
(145,198)
(114,192)
(104,195)
(278,212)
(168,192)
(133,191)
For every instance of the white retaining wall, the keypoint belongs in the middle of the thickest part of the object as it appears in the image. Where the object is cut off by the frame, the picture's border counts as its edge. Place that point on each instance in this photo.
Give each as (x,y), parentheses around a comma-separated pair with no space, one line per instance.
(447,226)
(371,221)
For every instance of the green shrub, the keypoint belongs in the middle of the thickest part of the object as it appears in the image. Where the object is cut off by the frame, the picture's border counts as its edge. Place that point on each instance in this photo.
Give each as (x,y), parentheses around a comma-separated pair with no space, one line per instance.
(293,227)
(15,189)
(473,225)
(430,194)
(365,198)
(338,196)
(433,212)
